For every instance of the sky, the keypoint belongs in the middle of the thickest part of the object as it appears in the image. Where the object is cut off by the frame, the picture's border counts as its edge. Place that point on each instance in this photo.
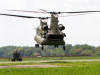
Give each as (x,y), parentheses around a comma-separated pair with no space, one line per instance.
(79,28)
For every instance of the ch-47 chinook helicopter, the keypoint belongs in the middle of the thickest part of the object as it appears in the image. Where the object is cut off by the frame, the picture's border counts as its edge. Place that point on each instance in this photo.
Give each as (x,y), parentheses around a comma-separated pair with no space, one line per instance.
(52,35)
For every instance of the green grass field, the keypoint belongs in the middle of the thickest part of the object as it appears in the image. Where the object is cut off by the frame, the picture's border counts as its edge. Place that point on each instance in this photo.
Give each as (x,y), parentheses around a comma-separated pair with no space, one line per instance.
(63,58)
(75,68)
(57,58)
(69,68)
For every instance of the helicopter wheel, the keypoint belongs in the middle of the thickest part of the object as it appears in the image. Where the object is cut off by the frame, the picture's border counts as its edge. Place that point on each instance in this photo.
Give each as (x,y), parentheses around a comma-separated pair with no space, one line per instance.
(63,47)
(42,48)
(56,46)
(36,45)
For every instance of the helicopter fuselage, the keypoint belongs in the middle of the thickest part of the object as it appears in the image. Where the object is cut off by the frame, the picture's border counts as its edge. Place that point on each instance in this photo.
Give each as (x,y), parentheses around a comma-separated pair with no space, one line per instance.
(49,40)
(49,36)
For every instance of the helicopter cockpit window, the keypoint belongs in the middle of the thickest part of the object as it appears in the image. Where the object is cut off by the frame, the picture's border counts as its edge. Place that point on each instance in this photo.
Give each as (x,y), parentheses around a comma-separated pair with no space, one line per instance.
(55,37)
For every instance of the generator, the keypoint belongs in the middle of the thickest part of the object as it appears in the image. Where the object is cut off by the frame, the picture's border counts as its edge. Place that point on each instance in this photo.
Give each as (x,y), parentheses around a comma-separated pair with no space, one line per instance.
(16,56)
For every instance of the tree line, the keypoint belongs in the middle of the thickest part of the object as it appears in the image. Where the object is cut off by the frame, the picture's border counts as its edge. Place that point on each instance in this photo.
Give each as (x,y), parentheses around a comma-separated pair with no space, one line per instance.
(84,49)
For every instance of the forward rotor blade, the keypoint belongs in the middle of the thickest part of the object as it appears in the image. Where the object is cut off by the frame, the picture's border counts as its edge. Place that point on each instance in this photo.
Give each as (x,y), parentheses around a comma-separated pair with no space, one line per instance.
(18,16)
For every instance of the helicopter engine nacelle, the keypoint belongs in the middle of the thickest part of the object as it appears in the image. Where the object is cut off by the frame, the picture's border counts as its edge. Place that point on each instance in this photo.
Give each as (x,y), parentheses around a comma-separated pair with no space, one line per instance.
(61,27)
(44,27)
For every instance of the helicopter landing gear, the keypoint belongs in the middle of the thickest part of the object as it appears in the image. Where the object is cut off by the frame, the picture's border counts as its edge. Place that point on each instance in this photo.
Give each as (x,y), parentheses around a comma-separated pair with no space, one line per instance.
(36,45)
(42,48)
(56,46)
(63,47)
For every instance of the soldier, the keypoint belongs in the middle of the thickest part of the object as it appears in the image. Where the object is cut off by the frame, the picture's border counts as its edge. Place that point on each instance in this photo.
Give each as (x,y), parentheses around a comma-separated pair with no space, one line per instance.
(9,58)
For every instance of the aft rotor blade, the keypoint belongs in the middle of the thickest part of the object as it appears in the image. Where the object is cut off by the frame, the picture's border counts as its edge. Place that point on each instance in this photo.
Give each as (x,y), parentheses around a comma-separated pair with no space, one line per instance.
(43,10)
(18,16)
(27,11)
(25,16)
(80,12)
(76,14)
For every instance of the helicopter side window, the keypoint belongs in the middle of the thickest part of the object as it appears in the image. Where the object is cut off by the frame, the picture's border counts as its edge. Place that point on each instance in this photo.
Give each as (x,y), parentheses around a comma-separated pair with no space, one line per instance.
(55,37)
